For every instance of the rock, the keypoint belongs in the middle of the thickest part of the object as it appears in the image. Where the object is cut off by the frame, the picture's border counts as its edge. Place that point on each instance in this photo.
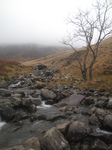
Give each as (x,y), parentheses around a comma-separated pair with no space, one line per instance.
(48,94)
(32,143)
(32,108)
(3,84)
(48,73)
(49,102)
(63,128)
(8,113)
(98,145)
(77,131)
(109,105)
(20,147)
(16,101)
(36,101)
(41,66)
(100,113)
(5,92)
(26,102)
(72,100)
(63,108)
(39,84)
(94,120)
(54,117)
(107,122)
(54,140)
(88,100)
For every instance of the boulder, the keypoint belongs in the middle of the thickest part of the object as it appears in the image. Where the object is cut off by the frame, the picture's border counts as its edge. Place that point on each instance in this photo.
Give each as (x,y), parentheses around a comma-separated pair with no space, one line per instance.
(16,101)
(77,131)
(32,108)
(100,113)
(41,66)
(48,94)
(107,122)
(63,128)
(94,120)
(5,92)
(8,113)
(32,143)
(88,100)
(109,105)
(3,84)
(54,140)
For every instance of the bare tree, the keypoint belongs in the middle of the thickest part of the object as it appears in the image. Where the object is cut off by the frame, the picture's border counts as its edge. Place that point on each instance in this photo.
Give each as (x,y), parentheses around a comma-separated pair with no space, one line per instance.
(90,26)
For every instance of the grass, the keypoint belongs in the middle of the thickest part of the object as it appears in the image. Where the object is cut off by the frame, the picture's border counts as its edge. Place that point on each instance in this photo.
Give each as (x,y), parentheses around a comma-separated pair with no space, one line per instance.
(9,69)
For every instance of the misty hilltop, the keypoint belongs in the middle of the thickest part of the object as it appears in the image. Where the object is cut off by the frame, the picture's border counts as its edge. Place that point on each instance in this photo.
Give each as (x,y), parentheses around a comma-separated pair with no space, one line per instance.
(28,51)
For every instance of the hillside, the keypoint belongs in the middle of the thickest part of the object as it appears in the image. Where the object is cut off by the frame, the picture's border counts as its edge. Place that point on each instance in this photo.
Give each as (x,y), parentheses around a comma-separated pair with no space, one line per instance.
(28,51)
(9,69)
(102,70)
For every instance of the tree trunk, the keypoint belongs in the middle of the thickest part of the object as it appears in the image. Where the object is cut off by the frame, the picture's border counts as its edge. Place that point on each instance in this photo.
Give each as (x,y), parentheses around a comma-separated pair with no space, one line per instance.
(84,75)
(91,73)
(90,69)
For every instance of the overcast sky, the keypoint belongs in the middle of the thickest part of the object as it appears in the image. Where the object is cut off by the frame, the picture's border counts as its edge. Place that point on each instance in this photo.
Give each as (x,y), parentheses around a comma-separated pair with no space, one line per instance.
(36,21)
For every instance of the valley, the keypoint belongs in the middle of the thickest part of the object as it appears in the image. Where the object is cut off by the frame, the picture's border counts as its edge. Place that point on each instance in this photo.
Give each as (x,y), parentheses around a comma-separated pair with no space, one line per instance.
(45,101)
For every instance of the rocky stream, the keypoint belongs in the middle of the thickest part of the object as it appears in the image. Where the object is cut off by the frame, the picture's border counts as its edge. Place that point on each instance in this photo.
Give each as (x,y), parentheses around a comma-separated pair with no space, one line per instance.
(33,117)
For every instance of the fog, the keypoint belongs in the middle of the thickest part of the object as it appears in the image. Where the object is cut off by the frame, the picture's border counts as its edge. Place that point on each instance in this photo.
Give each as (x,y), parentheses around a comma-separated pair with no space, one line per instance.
(36,21)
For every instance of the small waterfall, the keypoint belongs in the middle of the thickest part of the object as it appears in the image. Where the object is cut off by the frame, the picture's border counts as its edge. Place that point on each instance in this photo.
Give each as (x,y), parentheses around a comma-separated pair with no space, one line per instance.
(15,85)
(43,106)
(98,130)
(2,123)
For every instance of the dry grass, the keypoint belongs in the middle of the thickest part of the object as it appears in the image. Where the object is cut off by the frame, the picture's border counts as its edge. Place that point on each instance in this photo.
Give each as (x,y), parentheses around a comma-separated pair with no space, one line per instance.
(11,68)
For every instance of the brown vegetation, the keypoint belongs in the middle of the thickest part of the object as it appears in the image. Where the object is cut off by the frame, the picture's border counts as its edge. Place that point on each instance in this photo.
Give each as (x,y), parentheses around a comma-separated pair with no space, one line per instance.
(11,68)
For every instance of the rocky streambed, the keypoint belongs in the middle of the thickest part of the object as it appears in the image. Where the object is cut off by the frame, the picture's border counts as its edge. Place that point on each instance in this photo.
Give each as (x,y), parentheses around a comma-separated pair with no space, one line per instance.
(33,117)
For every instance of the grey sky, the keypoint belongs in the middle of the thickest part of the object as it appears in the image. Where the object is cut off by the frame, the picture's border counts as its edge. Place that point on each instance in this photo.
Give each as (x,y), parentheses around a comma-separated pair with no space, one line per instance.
(36,21)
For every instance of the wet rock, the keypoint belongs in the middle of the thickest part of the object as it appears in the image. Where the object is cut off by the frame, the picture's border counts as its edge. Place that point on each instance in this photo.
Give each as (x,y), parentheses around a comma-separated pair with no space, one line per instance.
(94,120)
(36,101)
(20,147)
(48,94)
(77,131)
(5,92)
(63,128)
(107,122)
(98,145)
(16,101)
(72,100)
(33,117)
(54,117)
(53,139)
(32,143)
(49,102)
(8,113)
(109,105)
(32,108)
(26,102)
(100,113)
